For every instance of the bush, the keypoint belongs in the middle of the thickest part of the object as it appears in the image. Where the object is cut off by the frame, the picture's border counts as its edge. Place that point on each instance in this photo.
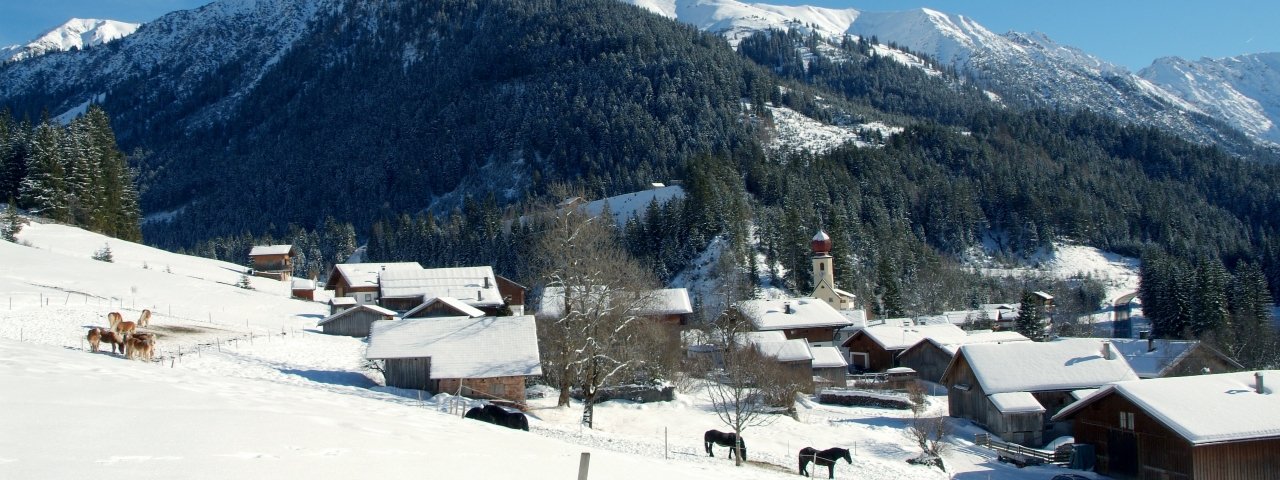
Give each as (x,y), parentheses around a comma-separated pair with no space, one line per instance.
(104,254)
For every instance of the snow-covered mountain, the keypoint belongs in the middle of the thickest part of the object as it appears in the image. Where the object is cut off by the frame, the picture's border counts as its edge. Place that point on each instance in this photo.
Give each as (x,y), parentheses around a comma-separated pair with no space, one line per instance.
(1244,90)
(76,33)
(1024,68)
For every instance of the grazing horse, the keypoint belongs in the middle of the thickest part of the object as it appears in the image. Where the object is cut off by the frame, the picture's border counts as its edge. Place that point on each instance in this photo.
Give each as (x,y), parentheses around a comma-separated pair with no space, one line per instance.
(114,319)
(98,335)
(826,458)
(499,416)
(125,328)
(140,346)
(145,319)
(724,439)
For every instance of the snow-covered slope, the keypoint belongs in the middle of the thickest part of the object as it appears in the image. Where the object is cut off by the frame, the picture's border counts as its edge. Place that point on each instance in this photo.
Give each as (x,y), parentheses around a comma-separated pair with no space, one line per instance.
(1244,91)
(76,33)
(736,20)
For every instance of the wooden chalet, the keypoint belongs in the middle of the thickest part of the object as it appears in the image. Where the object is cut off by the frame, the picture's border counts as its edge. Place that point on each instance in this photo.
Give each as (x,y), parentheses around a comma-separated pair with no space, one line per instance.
(1013,389)
(272,261)
(1219,426)
(443,307)
(798,318)
(930,358)
(402,290)
(303,288)
(360,280)
(355,321)
(486,357)
(1152,358)
(876,348)
(513,294)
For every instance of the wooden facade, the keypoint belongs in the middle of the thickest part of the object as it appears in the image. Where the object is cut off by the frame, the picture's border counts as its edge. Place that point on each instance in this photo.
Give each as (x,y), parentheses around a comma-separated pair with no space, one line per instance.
(415,374)
(1135,445)
(1201,360)
(410,373)
(867,355)
(966,399)
(353,322)
(928,360)
(272,264)
(512,293)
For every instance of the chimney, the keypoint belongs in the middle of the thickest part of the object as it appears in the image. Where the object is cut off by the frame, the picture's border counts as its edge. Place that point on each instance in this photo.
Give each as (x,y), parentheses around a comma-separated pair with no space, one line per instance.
(478,297)
(486,282)
(1106,350)
(786,307)
(1257,376)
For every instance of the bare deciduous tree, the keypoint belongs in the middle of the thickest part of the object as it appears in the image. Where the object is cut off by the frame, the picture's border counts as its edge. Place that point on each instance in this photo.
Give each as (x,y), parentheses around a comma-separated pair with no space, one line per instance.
(740,391)
(928,431)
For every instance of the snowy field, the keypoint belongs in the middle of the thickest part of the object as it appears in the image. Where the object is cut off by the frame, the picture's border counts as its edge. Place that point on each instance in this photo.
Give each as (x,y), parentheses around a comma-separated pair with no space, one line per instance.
(246,388)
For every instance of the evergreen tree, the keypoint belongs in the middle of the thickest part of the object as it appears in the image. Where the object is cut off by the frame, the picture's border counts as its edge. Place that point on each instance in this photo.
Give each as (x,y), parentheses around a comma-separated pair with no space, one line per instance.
(44,191)
(11,223)
(1031,315)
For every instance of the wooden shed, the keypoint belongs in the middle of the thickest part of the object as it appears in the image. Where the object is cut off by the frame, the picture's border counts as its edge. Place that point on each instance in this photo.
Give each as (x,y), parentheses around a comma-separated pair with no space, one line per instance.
(486,357)
(1221,427)
(993,384)
(931,357)
(876,348)
(795,357)
(829,364)
(355,321)
(303,288)
(513,294)
(272,261)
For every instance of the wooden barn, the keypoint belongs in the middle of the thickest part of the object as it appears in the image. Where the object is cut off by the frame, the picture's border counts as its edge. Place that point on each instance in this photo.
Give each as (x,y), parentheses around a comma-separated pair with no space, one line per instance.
(443,307)
(931,357)
(794,356)
(402,290)
(809,319)
(486,357)
(1152,358)
(876,348)
(360,280)
(1218,426)
(1013,389)
(829,366)
(273,261)
(513,294)
(338,304)
(303,288)
(355,321)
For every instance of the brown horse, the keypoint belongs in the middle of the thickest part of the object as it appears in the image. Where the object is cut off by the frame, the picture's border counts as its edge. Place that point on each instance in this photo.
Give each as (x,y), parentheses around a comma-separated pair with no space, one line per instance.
(97,335)
(114,318)
(139,347)
(125,328)
(145,319)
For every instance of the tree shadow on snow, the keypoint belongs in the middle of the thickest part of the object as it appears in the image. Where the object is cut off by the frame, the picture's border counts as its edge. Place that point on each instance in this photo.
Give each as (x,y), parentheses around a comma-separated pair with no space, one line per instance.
(350,379)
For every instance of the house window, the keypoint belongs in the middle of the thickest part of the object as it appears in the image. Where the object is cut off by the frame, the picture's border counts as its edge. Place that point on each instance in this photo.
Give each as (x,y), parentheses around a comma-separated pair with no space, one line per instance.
(368,297)
(497,389)
(1126,420)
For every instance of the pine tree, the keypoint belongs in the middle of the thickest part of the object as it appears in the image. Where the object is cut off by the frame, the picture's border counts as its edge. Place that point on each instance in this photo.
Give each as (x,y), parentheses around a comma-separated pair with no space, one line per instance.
(11,223)
(44,191)
(1030,317)
(1209,303)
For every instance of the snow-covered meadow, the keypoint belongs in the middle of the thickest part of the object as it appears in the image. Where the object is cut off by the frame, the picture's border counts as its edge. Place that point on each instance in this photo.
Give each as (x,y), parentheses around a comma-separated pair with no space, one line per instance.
(246,387)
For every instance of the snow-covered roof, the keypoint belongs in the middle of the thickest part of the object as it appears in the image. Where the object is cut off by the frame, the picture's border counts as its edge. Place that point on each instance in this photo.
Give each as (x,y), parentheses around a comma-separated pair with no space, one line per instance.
(821,236)
(856,318)
(900,338)
(474,285)
(796,350)
(1203,409)
(1154,362)
(828,357)
(461,347)
(1083,392)
(342,301)
(805,313)
(665,301)
(952,345)
(1042,295)
(270,250)
(349,311)
(302,284)
(1067,364)
(366,274)
(765,336)
(457,305)
(1016,402)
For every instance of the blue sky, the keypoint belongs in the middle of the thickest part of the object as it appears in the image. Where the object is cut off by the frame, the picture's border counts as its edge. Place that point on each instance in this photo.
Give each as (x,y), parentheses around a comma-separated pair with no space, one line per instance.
(1127,32)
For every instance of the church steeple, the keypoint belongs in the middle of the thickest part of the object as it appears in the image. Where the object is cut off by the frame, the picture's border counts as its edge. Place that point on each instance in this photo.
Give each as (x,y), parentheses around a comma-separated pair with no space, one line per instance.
(822,262)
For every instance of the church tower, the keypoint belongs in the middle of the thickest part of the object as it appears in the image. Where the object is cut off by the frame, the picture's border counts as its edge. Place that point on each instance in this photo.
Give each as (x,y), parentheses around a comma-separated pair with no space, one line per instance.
(824,277)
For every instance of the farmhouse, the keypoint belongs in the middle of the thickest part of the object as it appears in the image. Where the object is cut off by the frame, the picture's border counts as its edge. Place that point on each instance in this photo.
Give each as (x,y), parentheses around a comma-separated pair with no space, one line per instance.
(355,321)
(1222,426)
(1013,388)
(930,358)
(443,307)
(798,318)
(360,280)
(486,357)
(794,356)
(402,290)
(876,348)
(1152,358)
(272,261)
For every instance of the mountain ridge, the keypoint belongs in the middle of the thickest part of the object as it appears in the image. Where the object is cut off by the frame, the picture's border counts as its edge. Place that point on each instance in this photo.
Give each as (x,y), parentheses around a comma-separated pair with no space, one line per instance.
(76,33)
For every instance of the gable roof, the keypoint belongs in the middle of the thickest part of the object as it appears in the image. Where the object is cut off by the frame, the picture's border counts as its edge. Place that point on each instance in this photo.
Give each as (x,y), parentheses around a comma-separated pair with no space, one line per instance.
(1203,409)
(1016,402)
(271,250)
(365,274)
(461,347)
(342,301)
(349,311)
(664,301)
(828,357)
(891,337)
(457,305)
(302,284)
(805,313)
(464,283)
(1154,363)
(1066,364)
(952,345)
(796,350)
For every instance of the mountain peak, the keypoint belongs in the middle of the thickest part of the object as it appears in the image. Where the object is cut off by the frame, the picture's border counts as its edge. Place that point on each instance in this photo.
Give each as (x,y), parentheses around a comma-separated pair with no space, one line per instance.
(76,33)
